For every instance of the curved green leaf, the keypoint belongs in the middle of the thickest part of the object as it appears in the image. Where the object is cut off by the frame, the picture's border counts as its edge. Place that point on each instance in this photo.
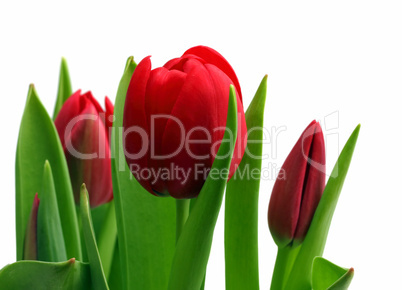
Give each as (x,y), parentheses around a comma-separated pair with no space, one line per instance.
(37,142)
(327,275)
(65,90)
(145,223)
(115,280)
(194,245)
(97,274)
(241,204)
(107,239)
(51,247)
(314,243)
(35,275)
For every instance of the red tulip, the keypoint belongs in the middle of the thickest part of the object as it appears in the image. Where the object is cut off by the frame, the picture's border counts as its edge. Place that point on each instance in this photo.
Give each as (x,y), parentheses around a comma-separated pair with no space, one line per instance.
(83,129)
(168,110)
(298,188)
(30,242)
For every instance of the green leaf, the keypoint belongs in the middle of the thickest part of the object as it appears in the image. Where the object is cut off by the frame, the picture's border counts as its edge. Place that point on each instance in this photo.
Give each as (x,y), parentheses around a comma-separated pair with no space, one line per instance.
(107,239)
(114,280)
(99,214)
(316,237)
(241,204)
(37,142)
(327,275)
(97,274)
(51,247)
(145,223)
(35,275)
(65,90)
(194,245)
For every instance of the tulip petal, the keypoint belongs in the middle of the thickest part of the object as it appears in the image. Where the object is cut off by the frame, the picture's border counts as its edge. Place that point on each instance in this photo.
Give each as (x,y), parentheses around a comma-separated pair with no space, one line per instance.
(194,245)
(198,95)
(314,184)
(88,155)
(163,89)
(213,57)
(286,197)
(70,109)
(135,118)
(222,82)
(109,114)
(146,224)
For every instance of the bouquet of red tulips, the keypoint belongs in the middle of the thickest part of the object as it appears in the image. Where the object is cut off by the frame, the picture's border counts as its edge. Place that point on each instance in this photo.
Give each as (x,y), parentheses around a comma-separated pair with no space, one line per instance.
(127,196)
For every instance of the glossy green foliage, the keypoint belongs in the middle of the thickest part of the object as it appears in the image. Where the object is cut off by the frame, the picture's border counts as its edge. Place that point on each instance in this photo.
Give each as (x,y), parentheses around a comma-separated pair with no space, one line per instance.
(241,204)
(97,274)
(37,142)
(35,275)
(327,275)
(145,223)
(51,246)
(65,90)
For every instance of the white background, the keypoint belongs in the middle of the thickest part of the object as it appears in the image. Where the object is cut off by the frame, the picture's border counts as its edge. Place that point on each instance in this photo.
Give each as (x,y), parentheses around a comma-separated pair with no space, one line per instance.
(321,57)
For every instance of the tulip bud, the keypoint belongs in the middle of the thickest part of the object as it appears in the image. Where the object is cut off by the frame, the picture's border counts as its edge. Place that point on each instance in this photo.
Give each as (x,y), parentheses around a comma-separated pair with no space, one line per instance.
(298,188)
(175,118)
(30,242)
(83,130)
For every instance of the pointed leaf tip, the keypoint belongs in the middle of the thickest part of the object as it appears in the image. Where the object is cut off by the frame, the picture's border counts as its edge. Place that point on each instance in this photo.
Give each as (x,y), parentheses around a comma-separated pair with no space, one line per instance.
(327,275)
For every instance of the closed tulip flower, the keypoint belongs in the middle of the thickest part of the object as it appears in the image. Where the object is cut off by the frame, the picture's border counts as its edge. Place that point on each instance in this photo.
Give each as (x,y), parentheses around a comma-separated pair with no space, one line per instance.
(298,188)
(83,130)
(174,121)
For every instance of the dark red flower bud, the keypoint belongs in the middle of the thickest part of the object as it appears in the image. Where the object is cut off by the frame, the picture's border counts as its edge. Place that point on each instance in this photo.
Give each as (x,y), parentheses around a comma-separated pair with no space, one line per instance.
(30,242)
(174,121)
(83,130)
(298,188)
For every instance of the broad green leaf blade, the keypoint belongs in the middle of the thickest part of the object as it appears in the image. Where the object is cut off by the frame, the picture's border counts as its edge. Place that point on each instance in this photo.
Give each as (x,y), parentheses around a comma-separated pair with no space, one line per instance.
(194,245)
(115,280)
(65,90)
(241,204)
(327,275)
(35,275)
(145,223)
(51,247)
(99,214)
(37,142)
(107,239)
(316,237)
(97,274)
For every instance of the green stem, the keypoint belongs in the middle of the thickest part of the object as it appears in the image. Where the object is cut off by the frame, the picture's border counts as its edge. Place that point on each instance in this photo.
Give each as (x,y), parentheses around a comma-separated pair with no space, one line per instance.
(182,211)
(283,265)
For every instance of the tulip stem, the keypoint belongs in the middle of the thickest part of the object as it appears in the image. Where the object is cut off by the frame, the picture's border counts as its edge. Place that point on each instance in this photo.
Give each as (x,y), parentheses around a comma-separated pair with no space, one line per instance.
(283,265)
(182,211)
